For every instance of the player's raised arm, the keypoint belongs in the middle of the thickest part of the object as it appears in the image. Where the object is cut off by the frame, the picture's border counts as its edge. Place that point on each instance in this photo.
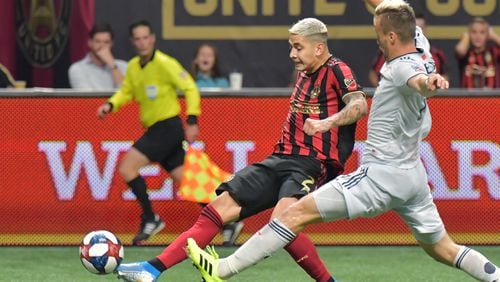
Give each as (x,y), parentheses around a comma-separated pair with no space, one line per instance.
(427,85)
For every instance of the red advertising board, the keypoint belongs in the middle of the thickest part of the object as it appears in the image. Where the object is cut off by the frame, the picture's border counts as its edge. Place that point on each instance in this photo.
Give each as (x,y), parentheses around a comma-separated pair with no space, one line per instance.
(58,170)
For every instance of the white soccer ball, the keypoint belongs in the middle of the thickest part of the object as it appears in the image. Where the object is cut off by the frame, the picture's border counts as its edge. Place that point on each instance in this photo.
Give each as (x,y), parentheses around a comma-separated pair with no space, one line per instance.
(101,252)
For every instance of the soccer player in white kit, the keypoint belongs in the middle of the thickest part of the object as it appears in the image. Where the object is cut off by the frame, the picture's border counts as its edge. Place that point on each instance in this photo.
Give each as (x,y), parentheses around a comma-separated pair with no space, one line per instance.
(391,176)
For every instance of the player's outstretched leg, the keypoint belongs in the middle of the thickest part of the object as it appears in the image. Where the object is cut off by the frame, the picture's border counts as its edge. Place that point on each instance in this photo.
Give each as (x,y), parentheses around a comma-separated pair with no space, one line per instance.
(206,262)
(137,272)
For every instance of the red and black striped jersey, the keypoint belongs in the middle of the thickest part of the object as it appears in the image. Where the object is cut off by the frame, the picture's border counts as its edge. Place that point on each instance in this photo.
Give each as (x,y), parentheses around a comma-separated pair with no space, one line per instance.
(440,60)
(480,69)
(318,96)
(378,62)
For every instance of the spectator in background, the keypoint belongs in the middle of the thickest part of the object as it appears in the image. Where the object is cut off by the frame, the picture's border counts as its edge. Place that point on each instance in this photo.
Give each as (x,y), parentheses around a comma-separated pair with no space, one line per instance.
(152,80)
(479,61)
(438,56)
(6,80)
(98,70)
(205,68)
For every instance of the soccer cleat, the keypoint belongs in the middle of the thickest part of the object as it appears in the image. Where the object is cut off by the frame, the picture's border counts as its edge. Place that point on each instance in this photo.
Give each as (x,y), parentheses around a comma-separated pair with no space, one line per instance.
(137,272)
(148,229)
(231,232)
(206,262)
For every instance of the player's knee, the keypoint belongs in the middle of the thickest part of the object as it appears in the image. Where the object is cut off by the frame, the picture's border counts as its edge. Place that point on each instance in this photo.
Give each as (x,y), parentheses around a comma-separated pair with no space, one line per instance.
(293,217)
(444,251)
(128,170)
(226,207)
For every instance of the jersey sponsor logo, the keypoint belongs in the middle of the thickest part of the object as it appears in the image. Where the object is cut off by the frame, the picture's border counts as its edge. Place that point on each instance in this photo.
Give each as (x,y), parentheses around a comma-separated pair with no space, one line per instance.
(305,108)
(42,30)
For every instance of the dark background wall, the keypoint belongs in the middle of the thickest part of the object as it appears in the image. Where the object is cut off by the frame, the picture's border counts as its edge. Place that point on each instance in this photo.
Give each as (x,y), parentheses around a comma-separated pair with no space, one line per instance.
(251,35)
(266,62)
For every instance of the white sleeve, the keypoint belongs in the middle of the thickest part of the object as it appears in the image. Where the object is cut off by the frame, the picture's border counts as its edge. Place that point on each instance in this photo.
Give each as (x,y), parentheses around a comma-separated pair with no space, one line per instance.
(77,78)
(424,47)
(405,69)
(122,66)
(421,42)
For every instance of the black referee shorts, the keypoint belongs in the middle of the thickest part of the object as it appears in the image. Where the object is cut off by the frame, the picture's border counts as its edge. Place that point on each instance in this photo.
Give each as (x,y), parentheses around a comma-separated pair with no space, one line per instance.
(162,143)
(259,186)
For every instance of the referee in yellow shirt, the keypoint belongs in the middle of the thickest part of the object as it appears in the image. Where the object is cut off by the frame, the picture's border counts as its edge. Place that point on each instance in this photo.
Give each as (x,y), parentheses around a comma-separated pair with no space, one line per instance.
(152,80)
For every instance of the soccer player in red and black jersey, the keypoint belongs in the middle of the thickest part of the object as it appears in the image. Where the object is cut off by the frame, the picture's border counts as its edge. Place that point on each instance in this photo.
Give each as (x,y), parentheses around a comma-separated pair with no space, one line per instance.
(317,138)
(479,62)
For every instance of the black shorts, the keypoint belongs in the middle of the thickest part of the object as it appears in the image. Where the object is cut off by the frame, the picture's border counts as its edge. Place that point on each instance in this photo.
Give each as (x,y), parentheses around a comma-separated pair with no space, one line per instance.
(162,143)
(259,186)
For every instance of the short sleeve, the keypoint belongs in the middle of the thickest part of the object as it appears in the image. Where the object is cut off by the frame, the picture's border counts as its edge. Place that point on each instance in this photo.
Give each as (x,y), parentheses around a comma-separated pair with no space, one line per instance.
(346,79)
(406,68)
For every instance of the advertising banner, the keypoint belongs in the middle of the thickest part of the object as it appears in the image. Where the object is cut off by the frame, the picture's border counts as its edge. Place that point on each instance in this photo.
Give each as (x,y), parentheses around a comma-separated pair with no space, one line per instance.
(59,170)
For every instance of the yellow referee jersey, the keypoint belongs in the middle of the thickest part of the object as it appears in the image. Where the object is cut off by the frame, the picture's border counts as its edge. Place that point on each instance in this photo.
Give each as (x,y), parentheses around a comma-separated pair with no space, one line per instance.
(154,87)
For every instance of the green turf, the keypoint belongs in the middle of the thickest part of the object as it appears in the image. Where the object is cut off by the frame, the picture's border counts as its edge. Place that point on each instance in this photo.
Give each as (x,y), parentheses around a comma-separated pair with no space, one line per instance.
(346,263)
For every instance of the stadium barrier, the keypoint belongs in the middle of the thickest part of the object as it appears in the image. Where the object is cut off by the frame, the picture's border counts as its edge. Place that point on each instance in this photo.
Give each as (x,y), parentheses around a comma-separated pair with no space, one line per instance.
(59,166)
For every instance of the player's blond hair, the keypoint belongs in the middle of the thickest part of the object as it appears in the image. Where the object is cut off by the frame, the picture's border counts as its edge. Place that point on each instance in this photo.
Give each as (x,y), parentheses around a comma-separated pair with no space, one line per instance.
(311,28)
(397,16)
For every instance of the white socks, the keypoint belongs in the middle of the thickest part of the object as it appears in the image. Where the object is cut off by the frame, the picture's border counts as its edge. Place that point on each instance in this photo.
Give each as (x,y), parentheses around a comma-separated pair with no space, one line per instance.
(476,265)
(275,236)
(261,245)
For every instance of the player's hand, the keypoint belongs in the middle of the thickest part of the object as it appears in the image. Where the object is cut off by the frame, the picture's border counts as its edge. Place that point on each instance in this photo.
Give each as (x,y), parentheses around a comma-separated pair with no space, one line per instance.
(103,110)
(313,126)
(436,81)
(106,56)
(192,131)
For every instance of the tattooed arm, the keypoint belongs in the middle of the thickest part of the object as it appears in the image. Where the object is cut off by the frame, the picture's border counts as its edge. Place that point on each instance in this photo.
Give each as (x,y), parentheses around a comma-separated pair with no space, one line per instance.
(355,109)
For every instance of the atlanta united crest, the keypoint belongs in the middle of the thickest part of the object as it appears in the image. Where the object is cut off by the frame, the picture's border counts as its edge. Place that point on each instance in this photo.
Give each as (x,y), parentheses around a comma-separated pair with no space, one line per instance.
(42,29)
(315,91)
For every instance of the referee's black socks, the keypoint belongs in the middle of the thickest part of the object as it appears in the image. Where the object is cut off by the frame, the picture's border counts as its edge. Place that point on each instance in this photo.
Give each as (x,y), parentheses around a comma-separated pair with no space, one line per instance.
(139,188)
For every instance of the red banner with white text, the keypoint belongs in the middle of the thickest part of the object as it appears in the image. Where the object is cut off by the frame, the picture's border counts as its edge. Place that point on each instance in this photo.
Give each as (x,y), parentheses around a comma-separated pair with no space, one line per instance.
(59,170)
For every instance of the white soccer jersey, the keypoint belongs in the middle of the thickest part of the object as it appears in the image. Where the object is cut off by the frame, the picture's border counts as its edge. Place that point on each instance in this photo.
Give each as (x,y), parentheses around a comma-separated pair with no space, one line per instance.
(399,116)
(424,47)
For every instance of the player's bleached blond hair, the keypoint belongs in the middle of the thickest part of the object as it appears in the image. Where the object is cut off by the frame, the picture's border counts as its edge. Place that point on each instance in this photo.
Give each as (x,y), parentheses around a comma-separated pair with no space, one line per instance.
(397,16)
(311,28)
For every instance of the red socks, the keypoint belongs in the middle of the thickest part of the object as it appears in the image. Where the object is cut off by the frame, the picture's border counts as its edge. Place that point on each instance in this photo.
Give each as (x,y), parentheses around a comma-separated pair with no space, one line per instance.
(207,226)
(304,253)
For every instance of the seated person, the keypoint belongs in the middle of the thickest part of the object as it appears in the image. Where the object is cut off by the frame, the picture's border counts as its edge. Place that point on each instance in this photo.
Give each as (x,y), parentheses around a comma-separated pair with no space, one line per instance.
(205,68)
(478,55)
(98,70)
(6,80)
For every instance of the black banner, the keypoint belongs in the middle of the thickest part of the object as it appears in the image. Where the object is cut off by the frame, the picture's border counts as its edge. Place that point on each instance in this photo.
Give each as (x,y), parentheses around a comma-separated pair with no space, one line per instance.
(252,35)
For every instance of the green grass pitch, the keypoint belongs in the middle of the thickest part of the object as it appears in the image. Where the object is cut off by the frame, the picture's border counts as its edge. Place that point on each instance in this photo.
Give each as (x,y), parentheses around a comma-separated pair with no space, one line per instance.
(347,263)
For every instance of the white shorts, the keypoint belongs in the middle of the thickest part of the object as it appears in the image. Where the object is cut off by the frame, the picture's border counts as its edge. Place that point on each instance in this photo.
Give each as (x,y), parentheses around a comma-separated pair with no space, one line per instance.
(374,189)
